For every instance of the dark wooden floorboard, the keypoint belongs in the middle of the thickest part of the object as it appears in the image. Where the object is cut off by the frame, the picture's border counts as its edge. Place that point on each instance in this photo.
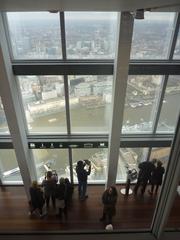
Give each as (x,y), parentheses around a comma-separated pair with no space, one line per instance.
(132,212)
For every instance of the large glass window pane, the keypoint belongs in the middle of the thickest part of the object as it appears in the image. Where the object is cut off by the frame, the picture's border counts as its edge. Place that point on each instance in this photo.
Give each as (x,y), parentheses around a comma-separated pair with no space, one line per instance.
(177,49)
(90,35)
(98,158)
(171,107)
(161,154)
(3,122)
(131,205)
(51,159)
(35,35)
(141,102)
(44,103)
(152,36)
(129,158)
(9,170)
(90,103)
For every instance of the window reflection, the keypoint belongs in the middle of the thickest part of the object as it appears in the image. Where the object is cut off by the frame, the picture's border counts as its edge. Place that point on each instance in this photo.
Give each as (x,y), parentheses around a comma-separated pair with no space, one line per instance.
(51,159)
(9,170)
(177,48)
(35,35)
(90,103)
(141,102)
(90,35)
(152,36)
(3,122)
(129,158)
(170,108)
(44,103)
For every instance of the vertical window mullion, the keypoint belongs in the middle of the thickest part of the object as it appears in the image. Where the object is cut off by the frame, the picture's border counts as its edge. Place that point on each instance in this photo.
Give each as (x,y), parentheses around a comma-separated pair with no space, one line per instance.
(7,33)
(174,36)
(63,35)
(66,89)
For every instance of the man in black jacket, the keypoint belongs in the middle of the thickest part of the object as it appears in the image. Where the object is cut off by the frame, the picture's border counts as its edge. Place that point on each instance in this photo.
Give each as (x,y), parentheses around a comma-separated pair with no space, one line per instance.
(82,176)
(145,172)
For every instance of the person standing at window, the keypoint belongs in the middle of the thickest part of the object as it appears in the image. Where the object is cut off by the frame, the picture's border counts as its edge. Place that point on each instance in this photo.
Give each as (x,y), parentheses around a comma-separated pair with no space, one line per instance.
(156,178)
(37,199)
(60,197)
(109,199)
(49,184)
(82,175)
(145,172)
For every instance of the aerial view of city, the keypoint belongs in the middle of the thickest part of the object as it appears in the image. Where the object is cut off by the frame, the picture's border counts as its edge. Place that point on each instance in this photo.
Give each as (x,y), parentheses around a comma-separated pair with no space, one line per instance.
(90,96)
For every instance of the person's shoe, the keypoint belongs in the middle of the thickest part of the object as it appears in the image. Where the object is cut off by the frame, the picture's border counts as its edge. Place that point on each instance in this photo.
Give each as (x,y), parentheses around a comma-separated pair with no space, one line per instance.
(43,215)
(30,213)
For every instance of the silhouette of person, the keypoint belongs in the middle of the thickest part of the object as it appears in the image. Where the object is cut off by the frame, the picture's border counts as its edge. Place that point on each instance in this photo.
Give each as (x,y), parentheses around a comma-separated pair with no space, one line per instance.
(82,176)
(145,172)
(49,184)
(156,178)
(109,199)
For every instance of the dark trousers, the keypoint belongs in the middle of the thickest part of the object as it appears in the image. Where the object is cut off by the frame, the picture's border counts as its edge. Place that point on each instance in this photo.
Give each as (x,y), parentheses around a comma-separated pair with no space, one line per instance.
(141,182)
(47,198)
(108,216)
(152,188)
(82,186)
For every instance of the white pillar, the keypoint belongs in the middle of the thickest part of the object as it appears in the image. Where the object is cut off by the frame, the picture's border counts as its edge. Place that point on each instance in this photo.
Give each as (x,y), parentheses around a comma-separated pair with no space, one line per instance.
(121,67)
(14,114)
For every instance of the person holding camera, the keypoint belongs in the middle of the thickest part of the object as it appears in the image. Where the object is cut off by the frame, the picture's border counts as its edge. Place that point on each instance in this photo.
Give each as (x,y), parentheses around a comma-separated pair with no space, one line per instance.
(49,185)
(82,175)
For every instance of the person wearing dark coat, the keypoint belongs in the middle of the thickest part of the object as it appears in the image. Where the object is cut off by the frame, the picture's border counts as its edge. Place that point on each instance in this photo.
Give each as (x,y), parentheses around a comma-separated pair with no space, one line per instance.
(109,199)
(144,176)
(69,188)
(156,178)
(60,197)
(37,199)
(82,176)
(49,184)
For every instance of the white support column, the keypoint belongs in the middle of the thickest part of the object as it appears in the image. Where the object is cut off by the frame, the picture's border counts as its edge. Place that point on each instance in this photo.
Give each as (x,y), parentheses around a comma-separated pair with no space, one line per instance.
(14,115)
(169,188)
(121,66)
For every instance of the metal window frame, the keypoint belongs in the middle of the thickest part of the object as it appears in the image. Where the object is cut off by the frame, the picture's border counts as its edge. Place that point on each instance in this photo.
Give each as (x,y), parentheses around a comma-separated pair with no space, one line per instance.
(87,67)
(175,36)
(168,191)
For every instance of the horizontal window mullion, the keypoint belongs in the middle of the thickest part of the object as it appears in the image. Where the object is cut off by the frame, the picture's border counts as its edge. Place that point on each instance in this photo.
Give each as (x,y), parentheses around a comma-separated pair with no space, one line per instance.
(85,68)
(95,142)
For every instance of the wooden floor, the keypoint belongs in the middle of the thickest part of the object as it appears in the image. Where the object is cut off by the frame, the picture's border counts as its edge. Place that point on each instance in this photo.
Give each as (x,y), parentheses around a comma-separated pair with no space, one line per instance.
(132,212)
